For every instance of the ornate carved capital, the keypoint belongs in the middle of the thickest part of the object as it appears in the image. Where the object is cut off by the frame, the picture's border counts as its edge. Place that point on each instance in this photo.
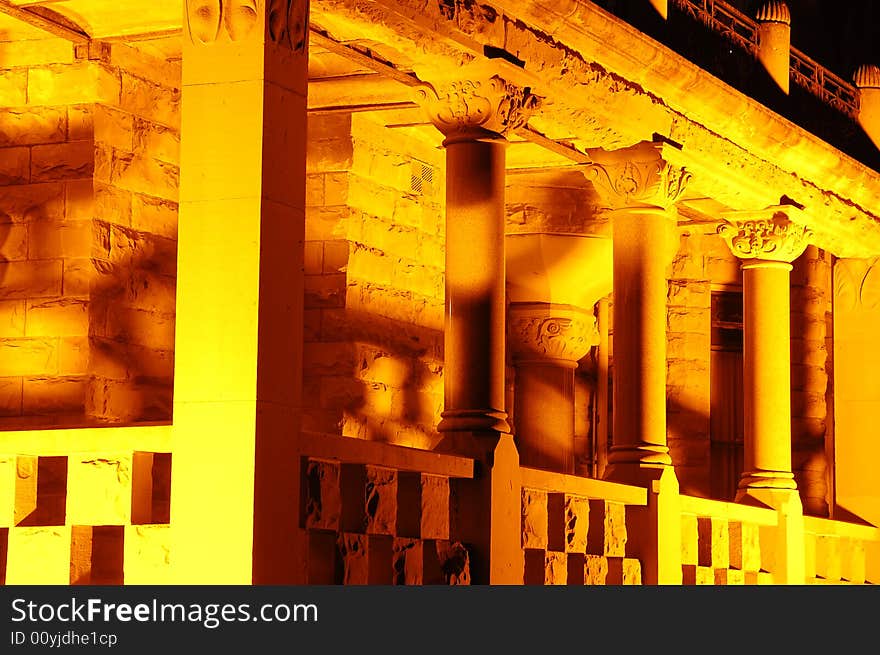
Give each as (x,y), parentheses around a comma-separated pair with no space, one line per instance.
(543,331)
(473,108)
(771,238)
(637,176)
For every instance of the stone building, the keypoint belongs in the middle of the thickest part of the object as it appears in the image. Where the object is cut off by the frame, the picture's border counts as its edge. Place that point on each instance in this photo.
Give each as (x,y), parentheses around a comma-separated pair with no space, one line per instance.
(406,292)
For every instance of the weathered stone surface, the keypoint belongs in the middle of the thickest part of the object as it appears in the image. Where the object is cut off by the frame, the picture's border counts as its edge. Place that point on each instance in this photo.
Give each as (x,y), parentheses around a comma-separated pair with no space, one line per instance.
(607,533)
(72,160)
(624,571)
(697,575)
(409,561)
(53,395)
(435,507)
(28,356)
(381,500)
(534,519)
(31,202)
(57,317)
(555,568)
(713,543)
(595,570)
(745,546)
(729,577)
(577,523)
(99,489)
(10,396)
(13,87)
(455,563)
(323,505)
(150,100)
(14,166)
(32,125)
(30,279)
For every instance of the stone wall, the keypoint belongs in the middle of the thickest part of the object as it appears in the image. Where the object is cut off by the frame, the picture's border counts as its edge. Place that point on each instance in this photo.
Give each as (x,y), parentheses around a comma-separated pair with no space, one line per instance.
(88,183)
(374,287)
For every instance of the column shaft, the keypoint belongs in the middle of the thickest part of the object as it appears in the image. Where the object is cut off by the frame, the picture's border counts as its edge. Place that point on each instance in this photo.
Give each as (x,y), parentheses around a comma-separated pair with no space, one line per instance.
(767,375)
(544,405)
(640,249)
(475,303)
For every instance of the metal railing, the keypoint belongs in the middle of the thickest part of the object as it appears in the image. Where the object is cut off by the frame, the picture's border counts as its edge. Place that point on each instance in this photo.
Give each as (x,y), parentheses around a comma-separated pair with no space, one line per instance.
(805,72)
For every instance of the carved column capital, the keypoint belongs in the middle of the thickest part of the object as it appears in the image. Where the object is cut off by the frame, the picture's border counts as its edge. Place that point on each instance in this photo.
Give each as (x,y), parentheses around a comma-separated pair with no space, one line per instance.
(480,107)
(767,235)
(638,176)
(542,332)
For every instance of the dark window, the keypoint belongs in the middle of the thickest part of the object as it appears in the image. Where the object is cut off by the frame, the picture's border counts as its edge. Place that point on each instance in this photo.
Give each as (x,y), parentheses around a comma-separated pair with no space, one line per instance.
(726,394)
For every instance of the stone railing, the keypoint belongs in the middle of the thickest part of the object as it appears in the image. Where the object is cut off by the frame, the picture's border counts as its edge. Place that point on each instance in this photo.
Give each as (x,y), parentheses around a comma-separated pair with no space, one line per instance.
(375,513)
(837,552)
(726,543)
(574,530)
(85,506)
(805,72)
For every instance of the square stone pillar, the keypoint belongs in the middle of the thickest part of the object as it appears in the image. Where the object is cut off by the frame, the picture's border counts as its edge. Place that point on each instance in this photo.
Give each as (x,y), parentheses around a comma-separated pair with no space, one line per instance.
(235,484)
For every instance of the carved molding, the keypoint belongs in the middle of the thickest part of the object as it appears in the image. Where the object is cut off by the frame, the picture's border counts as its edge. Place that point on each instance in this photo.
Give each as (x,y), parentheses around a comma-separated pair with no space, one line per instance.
(770,239)
(473,108)
(209,19)
(637,176)
(857,284)
(546,332)
(288,22)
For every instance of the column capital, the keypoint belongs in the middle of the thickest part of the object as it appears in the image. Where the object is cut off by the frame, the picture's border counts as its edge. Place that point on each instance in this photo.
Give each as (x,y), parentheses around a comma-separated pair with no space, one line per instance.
(478,106)
(638,176)
(766,235)
(545,332)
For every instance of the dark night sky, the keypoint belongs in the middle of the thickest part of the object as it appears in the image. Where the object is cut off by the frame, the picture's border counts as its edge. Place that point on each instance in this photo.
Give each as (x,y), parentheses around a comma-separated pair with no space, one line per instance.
(839,34)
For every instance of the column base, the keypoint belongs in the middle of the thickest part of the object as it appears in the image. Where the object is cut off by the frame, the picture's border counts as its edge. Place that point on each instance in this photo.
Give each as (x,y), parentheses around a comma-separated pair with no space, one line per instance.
(474,420)
(627,459)
(766,480)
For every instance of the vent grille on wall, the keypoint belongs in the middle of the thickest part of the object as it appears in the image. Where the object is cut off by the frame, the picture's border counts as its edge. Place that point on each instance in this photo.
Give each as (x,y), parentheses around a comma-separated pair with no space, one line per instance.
(421,181)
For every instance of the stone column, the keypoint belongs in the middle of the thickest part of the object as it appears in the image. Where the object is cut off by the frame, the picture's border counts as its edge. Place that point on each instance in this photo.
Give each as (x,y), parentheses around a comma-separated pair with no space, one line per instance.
(639,186)
(547,341)
(237,389)
(767,242)
(474,115)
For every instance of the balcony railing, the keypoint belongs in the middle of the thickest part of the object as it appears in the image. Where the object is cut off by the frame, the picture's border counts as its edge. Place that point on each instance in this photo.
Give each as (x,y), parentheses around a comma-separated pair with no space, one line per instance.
(805,72)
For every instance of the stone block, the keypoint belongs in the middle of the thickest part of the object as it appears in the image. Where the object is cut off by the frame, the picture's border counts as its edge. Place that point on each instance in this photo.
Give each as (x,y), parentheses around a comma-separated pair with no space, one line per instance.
(852,560)
(99,489)
(323,505)
(454,562)
(434,507)
(745,546)
(31,202)
(12,318)
(728,577)
(758,578)
(97,555)
(595,570)
(53,395)
(14,166)
(157,141)
(147,554)
(324,560)
(73,160)
(325,291)
(624,571)
(10,396)
(59,317)
(409,561)
(689,539)
(13,87)
(381,500)
(22,126)
(149,100)
(555,568)
(313,257)
(713,543)
(8,467)
(38,556)
(154,215)
(56,240)
(28,357)
(577,523)
(534,519)
(366,559)
(145,175)
(829,565)
(607,532)
(697,575)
